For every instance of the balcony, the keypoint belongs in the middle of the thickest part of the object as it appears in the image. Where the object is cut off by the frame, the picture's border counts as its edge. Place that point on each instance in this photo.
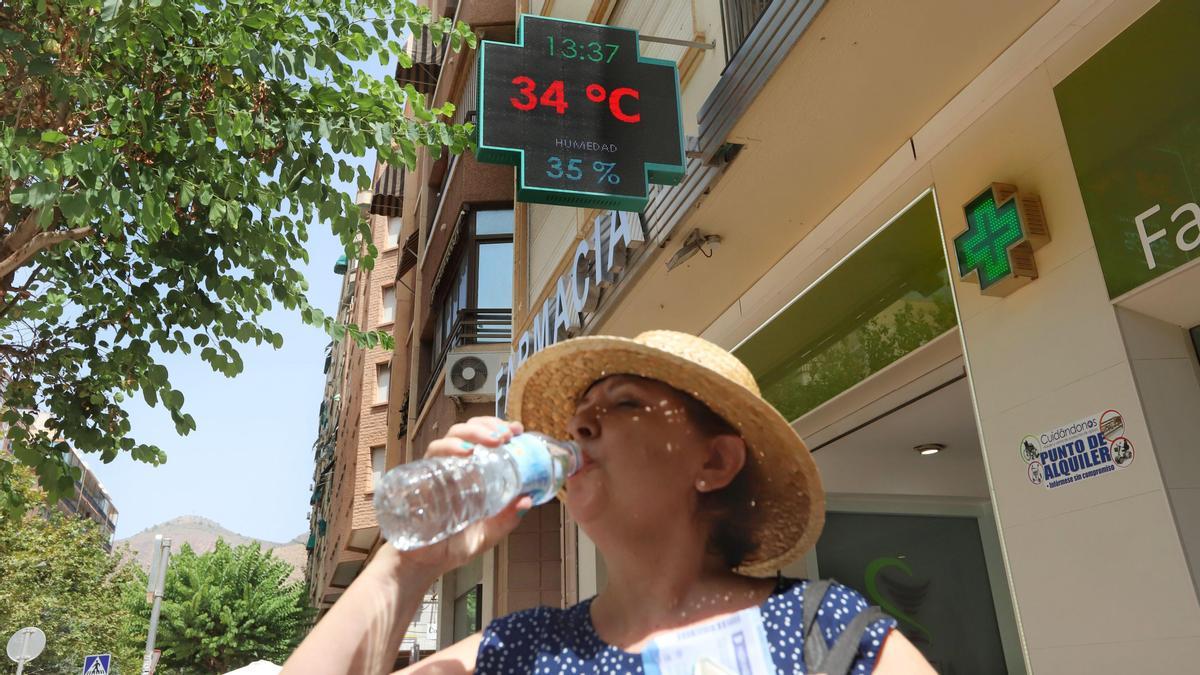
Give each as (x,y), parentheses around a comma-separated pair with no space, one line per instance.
(473,326)
(95,511)
(739,18)
(758,36)
(467,108)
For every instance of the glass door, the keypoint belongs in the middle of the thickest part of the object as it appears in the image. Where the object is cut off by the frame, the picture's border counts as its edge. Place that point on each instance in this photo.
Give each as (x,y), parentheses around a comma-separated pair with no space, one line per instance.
(931,572)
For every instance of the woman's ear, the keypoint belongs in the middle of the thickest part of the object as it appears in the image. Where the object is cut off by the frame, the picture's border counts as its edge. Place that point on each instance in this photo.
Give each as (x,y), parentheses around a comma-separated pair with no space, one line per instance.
(726,457)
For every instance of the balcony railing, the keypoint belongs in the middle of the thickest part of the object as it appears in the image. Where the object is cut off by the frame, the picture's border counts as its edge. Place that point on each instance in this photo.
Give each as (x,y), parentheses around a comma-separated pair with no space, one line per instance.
(473,326)
(98,513)
(467,108)
(739,17)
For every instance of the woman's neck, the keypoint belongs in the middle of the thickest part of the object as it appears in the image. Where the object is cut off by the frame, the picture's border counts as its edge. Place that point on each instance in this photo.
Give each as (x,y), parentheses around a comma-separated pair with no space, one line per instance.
(664,585)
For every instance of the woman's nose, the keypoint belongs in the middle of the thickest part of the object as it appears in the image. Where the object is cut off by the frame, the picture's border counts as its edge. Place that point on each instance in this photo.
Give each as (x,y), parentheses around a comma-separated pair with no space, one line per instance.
(583,424)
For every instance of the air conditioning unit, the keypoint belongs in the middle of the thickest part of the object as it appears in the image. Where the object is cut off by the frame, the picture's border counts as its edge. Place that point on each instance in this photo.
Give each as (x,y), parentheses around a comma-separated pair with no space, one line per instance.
(471,375)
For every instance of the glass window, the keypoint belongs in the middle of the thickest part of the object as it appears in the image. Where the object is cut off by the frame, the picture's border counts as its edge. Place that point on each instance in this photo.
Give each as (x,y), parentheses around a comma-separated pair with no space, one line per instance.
(467,613)
(479,294)
(927,571)
(495,274)
(383,380)
(378,464)
(493,222)
(387,312)
(454,302)
(393,235)
(887,299)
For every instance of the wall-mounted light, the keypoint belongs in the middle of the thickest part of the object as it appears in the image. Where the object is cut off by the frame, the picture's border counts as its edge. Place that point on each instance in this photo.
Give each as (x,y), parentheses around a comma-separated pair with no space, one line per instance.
(693,243)
(928,449)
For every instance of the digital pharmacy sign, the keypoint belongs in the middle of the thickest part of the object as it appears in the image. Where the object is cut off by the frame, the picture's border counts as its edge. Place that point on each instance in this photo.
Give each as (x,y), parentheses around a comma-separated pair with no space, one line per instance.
(586,119)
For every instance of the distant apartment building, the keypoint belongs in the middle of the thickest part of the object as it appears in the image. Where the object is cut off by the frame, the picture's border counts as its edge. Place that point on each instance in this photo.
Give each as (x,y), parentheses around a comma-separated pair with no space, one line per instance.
(457,271)
(349,451)
(89,499)
(442,286)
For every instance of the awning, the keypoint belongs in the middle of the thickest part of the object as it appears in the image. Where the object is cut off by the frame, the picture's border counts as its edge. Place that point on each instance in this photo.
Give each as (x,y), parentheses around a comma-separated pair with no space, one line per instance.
(388,197)
(341,265)
(408,255)
(426,64)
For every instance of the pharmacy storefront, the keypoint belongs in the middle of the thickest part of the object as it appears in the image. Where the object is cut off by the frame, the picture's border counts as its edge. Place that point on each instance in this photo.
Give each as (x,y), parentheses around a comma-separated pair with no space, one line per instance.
(990,345)
(986,328)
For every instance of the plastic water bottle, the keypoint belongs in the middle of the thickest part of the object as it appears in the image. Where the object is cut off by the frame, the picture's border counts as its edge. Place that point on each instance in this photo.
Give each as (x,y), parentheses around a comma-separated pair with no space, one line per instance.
(424,502)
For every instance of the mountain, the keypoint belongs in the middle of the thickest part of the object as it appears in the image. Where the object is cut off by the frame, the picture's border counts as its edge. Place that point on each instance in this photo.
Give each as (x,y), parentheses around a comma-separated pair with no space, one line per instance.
(202,534)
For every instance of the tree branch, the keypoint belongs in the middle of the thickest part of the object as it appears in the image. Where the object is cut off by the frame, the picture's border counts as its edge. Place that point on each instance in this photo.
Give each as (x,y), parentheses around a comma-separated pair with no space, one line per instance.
(23,233)
(41,241)
(18,293)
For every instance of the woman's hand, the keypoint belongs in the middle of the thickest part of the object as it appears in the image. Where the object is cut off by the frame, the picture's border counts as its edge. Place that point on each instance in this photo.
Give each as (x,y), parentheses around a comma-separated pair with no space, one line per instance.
(459,441)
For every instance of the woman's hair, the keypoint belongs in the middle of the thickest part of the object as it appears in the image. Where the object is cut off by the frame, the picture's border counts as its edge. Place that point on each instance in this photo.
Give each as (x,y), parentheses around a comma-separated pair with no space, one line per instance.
(731,507)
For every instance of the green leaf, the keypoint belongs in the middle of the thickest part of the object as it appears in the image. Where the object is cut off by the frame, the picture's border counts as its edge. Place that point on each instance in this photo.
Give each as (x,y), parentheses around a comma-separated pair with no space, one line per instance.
(37,195)
(73,206)
(54,137)
(260,19)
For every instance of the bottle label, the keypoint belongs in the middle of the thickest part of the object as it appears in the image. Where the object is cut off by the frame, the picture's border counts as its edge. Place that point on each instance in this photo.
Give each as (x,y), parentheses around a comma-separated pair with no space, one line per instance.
(534,466)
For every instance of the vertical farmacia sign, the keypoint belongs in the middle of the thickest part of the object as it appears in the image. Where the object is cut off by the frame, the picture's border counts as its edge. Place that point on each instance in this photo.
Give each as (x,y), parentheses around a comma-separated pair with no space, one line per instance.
(586,119)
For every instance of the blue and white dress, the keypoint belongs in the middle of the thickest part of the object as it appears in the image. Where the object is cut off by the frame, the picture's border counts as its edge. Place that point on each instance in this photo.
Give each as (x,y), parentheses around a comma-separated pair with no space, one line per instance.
(549,640)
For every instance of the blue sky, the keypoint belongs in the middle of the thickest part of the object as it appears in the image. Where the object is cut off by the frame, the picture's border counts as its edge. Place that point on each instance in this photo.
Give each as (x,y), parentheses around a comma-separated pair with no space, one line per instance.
(248,465)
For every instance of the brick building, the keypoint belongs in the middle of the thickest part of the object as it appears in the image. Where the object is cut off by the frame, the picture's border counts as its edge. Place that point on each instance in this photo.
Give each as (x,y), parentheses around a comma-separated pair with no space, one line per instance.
(90,499)
(349,451)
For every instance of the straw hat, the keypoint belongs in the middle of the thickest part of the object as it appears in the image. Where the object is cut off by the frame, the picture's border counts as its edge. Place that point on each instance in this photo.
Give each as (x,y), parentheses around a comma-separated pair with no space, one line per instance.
(787,487)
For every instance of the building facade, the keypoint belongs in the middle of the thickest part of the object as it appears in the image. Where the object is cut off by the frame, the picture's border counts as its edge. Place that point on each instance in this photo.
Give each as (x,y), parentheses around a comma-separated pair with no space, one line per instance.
(90,499)
(955,242)
(349,453)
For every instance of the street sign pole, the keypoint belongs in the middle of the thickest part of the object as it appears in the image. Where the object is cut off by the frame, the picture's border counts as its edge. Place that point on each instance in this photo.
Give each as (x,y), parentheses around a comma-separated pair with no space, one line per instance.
(24,647)
(154,589)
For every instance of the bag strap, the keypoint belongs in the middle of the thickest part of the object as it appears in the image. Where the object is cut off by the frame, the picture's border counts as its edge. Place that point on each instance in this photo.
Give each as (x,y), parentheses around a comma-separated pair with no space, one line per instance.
(840,656)
(814,643)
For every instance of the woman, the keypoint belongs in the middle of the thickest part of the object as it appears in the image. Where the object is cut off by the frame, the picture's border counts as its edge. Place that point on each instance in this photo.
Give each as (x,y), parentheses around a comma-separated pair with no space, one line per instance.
(693,488)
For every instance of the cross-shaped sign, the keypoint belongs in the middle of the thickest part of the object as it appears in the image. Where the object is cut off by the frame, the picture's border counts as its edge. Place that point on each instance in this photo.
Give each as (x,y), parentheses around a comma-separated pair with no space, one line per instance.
(587,120)
(1004,228)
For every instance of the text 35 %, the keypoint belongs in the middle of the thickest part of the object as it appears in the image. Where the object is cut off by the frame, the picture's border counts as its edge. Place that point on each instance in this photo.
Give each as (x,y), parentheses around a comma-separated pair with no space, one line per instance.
(572,169)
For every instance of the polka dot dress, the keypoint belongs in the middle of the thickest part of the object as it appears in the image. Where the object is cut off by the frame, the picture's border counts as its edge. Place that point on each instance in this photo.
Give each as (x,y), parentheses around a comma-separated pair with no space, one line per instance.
(550,640)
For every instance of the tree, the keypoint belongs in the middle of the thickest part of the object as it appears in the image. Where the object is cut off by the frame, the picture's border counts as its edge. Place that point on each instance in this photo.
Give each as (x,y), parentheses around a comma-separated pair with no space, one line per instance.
(160,162)
(56,575)
(224,609)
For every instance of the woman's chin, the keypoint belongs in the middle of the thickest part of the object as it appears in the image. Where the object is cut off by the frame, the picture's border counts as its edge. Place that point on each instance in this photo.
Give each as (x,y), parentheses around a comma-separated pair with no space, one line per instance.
(584,499)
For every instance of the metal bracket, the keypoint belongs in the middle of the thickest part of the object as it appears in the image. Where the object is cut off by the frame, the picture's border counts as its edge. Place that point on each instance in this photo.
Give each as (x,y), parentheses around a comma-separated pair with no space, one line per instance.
(681,43)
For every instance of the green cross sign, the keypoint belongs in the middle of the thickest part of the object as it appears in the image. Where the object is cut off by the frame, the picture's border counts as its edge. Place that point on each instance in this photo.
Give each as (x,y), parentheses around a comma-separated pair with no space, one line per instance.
(1003,229)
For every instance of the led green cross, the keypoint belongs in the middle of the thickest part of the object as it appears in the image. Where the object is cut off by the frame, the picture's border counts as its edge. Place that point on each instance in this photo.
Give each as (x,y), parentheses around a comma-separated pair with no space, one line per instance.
(991,232)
